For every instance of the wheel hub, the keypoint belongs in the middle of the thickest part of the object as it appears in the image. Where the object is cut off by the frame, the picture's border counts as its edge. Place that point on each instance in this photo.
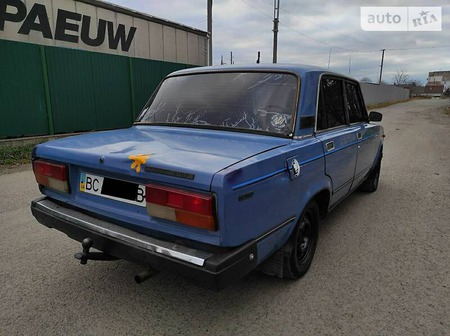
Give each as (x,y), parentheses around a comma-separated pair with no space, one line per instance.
(304,238)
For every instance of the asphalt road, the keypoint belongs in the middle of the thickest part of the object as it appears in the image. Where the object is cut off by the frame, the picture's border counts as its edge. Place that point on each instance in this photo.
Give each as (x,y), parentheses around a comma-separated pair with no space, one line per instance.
(382,265)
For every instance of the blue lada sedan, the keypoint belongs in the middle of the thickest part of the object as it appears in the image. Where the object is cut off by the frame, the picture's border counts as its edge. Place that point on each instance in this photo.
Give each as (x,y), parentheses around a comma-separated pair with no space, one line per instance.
(226,170)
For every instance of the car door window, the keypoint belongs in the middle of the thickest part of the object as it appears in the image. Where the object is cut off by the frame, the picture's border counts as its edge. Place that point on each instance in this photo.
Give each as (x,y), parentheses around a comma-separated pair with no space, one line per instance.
(331,109)
(354,107)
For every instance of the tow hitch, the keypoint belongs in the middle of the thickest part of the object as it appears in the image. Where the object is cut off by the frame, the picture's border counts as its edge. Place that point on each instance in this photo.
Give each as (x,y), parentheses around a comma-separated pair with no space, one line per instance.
(84,256)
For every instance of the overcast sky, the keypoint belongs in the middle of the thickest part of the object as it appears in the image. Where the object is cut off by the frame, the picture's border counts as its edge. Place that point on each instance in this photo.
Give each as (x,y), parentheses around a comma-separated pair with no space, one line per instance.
(309,30)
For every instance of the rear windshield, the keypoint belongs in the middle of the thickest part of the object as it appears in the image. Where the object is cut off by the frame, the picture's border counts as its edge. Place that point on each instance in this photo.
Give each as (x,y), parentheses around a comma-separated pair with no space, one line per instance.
(253,101)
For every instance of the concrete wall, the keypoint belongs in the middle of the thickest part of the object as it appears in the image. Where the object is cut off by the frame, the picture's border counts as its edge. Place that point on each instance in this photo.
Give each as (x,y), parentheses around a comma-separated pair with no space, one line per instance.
(376,94)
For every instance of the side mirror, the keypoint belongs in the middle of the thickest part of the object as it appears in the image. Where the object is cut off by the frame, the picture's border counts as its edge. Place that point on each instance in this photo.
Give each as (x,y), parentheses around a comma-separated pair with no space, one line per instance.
(375,116)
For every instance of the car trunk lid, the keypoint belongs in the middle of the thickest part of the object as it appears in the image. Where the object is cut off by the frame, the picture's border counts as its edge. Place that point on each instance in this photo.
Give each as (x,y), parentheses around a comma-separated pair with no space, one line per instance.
(184,156)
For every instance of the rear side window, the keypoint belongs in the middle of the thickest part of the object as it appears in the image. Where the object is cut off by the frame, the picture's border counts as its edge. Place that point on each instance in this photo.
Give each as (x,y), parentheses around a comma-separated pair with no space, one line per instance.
(354,106)
(331,109)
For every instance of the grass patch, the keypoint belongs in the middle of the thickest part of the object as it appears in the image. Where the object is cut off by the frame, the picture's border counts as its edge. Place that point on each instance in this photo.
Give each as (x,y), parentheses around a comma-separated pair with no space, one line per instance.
(15,155)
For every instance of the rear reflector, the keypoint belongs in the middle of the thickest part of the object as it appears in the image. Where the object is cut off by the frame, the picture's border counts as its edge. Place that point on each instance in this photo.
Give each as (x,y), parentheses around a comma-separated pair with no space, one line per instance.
(185,207)
(51,175)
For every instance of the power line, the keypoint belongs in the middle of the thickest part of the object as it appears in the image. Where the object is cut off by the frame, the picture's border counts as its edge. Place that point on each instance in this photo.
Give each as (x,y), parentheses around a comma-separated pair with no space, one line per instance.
(316,40)
(329,44)
(249,4)
(400,49)
(418,48)
(295,30)
(318,25)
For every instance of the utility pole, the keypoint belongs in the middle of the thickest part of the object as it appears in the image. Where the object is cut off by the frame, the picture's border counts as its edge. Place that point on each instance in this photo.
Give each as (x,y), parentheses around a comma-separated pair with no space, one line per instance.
(258,60)
(349,64)
(210,56)
(231,58)
(381,69)
(329,59)
(276,17)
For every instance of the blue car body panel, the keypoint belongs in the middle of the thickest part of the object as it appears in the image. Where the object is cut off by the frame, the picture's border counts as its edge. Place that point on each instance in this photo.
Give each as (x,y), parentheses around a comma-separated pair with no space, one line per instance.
(201,153)
(194,151)
(258,195)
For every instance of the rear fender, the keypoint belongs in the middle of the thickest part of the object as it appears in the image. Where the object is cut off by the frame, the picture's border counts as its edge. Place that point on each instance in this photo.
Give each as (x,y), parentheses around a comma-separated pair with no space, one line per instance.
(282,239)
(377,160)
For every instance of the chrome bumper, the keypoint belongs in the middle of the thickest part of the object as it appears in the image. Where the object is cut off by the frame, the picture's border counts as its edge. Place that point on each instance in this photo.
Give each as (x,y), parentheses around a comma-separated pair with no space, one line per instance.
(122,234)
(213,270)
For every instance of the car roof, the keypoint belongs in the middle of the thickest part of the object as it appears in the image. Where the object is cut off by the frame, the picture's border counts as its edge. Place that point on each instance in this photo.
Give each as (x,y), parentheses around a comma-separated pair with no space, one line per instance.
(299,69)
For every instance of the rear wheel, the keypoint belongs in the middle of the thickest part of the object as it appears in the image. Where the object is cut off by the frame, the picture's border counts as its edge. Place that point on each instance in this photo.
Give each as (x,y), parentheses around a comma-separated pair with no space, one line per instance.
(371,184)
(304,242)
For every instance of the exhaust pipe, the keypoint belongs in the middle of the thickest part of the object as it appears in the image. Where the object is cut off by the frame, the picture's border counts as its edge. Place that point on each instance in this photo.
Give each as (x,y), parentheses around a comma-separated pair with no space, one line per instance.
(145,275)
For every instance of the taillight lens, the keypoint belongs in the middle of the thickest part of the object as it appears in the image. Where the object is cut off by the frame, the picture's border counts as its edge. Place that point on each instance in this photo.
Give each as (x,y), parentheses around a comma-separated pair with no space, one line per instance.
(185,207)
(51,175)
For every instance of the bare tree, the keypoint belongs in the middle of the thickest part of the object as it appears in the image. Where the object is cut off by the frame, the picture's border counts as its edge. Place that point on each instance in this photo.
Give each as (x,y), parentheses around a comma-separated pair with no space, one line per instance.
(365,80)
(401,78)
(415,82)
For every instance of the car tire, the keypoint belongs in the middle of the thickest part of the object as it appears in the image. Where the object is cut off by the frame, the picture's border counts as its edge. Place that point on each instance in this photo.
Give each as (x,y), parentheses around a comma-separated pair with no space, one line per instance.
(304,242)
(371,183)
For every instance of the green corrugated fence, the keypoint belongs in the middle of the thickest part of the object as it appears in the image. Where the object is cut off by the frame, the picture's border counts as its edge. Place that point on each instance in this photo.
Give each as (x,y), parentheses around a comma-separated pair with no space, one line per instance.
(49,90)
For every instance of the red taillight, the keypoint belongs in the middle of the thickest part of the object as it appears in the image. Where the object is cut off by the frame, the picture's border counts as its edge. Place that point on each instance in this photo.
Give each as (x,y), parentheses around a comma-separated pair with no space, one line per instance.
(51,175)
(181,206)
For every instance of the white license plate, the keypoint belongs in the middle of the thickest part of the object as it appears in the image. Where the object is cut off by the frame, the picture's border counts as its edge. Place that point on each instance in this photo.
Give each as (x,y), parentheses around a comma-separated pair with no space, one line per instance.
(118,190)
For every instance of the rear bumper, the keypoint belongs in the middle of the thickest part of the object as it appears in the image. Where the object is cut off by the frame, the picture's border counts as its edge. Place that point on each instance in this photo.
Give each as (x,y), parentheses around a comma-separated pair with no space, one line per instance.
(211,270)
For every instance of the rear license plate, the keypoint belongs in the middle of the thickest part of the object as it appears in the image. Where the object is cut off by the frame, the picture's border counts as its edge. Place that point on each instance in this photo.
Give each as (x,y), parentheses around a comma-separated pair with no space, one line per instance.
(118,190)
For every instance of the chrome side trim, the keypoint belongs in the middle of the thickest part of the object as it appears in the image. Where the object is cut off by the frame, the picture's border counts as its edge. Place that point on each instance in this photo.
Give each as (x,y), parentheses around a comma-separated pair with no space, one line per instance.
(300,137)
(117,232)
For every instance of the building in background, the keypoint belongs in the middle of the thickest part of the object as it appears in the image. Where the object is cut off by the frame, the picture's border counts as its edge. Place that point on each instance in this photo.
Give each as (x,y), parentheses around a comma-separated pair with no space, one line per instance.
(68,66)
(438,83)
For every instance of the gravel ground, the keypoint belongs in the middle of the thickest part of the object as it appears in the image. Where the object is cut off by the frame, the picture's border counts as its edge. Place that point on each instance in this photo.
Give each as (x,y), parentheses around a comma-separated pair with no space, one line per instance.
(382,265)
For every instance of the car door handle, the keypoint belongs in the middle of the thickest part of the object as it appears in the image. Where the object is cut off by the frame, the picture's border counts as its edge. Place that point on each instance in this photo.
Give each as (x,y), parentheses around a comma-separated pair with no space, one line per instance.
(359,136)
(329,146)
